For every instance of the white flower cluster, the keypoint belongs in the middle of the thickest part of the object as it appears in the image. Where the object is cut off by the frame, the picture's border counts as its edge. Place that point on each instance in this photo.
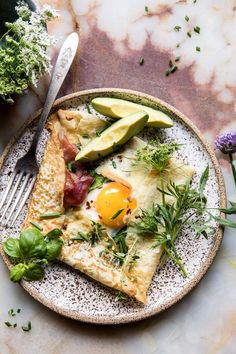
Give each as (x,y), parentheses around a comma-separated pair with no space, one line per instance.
(23,56)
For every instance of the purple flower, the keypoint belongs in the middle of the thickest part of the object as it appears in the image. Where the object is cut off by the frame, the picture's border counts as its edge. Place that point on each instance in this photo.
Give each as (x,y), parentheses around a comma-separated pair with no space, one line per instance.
(226,143)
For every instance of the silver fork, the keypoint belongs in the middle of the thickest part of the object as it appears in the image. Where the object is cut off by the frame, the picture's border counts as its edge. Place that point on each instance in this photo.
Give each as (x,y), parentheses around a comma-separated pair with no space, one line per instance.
(26,169)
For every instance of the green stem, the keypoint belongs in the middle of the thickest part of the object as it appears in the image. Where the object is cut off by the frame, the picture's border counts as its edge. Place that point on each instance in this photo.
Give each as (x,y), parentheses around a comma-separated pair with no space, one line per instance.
(233,167)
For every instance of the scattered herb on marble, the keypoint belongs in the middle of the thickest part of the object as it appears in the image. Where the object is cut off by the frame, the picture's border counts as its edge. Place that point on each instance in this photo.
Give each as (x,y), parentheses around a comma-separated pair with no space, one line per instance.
(31,251)
(197,29)
(141,61)
(172,68)
(28,327)
(23,51)
(114,164)
(189,34)
(198,49)
(186,18)
(177,28)
(11,312)
(146,9)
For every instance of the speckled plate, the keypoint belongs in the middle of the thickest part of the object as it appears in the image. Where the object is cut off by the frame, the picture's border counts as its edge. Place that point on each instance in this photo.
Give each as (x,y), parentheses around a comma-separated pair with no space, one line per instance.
(74,295)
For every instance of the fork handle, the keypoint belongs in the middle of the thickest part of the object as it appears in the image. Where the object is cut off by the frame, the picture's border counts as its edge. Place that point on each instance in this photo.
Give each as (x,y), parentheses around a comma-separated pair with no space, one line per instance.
(61,68)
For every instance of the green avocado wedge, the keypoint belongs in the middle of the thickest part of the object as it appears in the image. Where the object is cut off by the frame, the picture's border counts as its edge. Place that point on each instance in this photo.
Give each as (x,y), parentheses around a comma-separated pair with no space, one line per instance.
(118,108)
(113,137)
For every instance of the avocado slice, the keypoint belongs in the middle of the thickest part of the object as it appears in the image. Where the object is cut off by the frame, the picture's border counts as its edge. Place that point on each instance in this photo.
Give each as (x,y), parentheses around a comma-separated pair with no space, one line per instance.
(117,108)
(114,136)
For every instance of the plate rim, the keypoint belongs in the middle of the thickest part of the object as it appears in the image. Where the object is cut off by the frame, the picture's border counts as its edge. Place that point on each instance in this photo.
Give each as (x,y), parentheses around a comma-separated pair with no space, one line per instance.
(143,314)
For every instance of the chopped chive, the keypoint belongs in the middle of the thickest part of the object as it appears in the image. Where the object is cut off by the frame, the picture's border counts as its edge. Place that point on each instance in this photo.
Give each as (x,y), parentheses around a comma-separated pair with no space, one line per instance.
(18,310)
(50,215)
(85,136)
(27,328)
(178,45)
(194,1)
(177,28)
(8,324)
(15,325)
(35,224)
(197,29)
(11,312)
(171,70)
(198,49)
(98,133)
(141,61)
(146,8)
(114,164)
(117,214)
(177,59)
(88,108)
(186,18)
(81,237)
(189,34)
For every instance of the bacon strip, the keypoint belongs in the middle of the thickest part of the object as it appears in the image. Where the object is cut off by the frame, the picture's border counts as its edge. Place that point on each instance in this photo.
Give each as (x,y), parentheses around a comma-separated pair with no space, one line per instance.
(76,187)
(69,150)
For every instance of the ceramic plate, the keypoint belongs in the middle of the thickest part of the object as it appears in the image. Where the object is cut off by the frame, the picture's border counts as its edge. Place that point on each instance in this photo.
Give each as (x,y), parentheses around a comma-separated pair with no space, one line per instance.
(74,295)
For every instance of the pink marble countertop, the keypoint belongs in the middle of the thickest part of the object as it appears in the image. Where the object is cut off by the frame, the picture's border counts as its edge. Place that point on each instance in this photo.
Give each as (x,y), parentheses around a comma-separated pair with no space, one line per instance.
(114,35)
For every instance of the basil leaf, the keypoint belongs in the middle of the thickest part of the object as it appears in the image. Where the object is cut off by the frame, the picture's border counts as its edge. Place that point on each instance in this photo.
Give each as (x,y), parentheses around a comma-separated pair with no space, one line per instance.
(17,272)
(11,248)
(32,243)
(203,180)
(55,233)
(98,181)
(53,249)
(34,272)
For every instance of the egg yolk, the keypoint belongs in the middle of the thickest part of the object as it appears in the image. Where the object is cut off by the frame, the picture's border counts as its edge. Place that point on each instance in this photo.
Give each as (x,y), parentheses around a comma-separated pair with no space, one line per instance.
(114,203)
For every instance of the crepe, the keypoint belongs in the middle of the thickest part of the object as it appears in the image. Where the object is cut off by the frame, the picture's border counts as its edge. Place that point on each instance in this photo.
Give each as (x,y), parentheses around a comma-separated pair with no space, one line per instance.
(132,278)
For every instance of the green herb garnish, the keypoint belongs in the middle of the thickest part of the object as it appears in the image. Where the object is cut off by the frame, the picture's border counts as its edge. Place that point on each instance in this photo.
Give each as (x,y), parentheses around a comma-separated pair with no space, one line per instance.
(98,181)
(119,239)
(30,252)
(114,164)
(197,29)
(198,49)
(27,328)
(117,213)
(189,34)
(80,237)
(11,312)
(18,310)
(177,28)
(96,233)
(23,50)
(172,68)
(88,108)
(8,324)
(177,59)
(141,61)
(50,215)
(164,222)
(156,155)
(119,258)
(186,18)
(146,9)
(35,224)
(71,167)
(120,296)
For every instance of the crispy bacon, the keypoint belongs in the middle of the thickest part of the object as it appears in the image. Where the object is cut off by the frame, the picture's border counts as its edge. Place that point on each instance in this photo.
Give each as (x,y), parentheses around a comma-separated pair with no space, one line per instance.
(69,150)
(76,187)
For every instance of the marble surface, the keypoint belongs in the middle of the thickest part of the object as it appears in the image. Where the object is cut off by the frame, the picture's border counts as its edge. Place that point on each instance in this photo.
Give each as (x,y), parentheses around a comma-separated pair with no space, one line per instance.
(114,35)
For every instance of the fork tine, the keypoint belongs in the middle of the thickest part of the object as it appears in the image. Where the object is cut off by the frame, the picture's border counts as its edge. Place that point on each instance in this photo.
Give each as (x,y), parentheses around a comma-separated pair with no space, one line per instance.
(11,196)
(13,175)
(26,179)
(24,200)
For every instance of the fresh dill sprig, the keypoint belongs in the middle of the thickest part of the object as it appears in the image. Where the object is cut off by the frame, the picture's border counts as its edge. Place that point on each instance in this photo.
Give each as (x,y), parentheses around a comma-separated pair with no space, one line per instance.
(164,222)
(156,155)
